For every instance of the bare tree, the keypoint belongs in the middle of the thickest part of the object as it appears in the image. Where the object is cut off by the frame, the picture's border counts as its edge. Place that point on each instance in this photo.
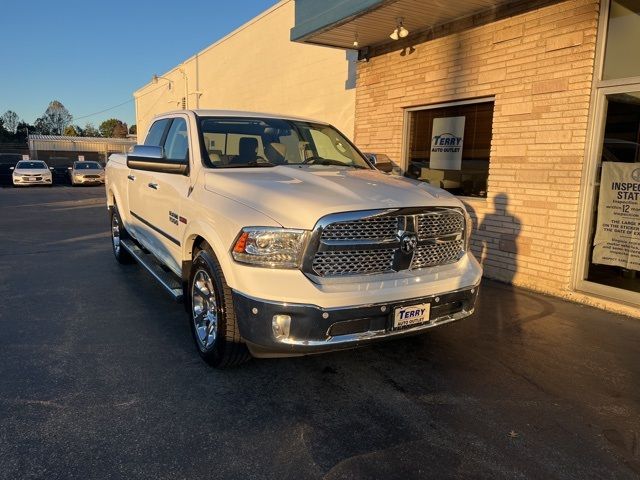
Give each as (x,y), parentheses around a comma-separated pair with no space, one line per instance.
(57,117)
(10,121)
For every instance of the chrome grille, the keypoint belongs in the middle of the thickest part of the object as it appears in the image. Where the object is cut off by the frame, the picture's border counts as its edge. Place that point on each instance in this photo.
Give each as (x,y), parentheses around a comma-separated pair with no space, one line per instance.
(437,224)
(437,254)
(372,244)
(356,262)
(374,228)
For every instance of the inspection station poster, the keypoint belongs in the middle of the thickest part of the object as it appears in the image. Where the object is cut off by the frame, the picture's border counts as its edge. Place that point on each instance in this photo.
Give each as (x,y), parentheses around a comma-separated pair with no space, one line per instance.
(446,143)
(617,238)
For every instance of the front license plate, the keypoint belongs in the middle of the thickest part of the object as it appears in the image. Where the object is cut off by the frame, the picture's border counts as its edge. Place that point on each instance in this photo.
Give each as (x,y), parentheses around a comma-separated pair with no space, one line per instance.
(31,179)
(411,315)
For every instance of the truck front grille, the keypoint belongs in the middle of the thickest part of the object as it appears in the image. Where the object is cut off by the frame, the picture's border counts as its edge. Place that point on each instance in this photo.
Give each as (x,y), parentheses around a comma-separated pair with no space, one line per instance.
(437,254)
(438,224)
(375,228)
(357,262)
(372,244)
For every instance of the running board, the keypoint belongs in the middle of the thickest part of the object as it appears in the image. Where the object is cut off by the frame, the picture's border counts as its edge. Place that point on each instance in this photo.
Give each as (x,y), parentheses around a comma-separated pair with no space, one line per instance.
(168,280)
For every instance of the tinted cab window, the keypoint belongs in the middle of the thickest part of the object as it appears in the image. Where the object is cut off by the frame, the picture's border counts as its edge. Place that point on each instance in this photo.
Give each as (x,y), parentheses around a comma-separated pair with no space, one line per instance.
(156,132)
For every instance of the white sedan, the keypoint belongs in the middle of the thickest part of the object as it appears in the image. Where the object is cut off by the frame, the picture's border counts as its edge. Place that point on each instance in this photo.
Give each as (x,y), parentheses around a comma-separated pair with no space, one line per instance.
(31,172)
(86,173)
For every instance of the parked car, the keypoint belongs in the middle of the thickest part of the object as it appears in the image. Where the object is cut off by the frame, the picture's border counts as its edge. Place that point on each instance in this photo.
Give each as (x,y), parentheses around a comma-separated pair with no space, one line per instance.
(283,240)
(31,172)
(83,173)
(7,161)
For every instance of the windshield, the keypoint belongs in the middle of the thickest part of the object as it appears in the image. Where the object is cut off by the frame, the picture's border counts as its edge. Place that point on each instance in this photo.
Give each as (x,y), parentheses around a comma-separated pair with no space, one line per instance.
(264,142)
(28,165)
(87,166)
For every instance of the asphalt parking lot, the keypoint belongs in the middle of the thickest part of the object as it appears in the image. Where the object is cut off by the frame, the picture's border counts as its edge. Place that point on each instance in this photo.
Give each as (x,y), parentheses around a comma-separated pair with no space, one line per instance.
(99,379)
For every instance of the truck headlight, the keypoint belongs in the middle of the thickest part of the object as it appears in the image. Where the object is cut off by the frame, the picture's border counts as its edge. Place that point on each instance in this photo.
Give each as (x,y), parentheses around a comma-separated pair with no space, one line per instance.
(270,247)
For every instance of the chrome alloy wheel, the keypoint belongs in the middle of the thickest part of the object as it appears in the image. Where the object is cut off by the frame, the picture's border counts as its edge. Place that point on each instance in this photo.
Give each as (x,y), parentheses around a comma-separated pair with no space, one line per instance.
(204,308)
(115,233)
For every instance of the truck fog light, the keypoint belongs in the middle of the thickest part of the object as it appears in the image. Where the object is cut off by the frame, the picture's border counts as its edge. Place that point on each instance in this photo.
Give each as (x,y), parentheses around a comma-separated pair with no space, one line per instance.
(281,325)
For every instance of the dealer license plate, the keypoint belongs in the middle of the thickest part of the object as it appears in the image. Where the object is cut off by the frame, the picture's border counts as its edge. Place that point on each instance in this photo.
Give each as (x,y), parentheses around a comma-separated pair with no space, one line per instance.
(411,315)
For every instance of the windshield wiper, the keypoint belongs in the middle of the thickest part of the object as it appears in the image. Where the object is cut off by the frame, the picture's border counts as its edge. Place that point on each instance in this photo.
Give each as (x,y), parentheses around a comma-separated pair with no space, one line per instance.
(252,165)
(327,161)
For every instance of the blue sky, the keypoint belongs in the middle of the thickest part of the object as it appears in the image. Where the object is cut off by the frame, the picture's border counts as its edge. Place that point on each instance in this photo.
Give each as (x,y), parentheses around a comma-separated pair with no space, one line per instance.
(94,55)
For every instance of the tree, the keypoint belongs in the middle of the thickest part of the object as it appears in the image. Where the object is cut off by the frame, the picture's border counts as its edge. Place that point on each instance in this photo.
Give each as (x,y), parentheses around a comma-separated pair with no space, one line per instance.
(90,131)
(133,129)
(120,130)
(71,131)
(23,129)
(41,126)
(56,118)
(108,126)
(10,121)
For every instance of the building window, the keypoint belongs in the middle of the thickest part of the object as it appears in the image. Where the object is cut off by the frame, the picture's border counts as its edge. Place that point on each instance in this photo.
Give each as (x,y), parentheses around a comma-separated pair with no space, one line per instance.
(449,147)
(620,61)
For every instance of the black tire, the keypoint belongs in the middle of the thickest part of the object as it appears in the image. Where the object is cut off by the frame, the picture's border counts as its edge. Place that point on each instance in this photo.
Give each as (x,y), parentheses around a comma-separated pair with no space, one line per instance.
(122,256)
(225,348)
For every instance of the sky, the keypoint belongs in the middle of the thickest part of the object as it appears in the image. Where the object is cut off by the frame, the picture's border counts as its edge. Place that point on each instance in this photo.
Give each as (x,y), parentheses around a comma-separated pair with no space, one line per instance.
(92,55)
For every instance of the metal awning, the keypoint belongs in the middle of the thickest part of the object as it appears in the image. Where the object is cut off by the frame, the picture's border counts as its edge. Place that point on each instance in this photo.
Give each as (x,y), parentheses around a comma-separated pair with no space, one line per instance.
(338,23)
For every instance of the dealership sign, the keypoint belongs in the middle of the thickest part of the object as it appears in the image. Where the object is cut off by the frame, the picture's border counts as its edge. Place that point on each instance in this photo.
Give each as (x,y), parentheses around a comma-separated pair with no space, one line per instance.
(617,238)
(446,143)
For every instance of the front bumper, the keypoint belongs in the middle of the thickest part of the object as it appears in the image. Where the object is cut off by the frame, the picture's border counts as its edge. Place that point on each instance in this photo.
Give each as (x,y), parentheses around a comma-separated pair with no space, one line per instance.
(82,180)
(41,181)
(315,330)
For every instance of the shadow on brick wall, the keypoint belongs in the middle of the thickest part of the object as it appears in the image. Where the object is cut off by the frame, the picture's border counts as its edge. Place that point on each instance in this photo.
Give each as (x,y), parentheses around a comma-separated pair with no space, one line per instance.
(497,239)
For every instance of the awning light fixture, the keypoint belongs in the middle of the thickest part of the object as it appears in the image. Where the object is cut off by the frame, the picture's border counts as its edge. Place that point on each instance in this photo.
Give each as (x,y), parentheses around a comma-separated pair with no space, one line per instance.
(400,31)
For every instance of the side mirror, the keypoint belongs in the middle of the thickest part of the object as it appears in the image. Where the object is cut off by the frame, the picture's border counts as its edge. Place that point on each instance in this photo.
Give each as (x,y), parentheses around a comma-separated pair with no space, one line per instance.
(383,164)
(152,158)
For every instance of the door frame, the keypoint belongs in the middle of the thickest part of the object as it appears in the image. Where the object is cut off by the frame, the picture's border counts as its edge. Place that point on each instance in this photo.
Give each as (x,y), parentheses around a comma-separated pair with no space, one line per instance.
(592,163)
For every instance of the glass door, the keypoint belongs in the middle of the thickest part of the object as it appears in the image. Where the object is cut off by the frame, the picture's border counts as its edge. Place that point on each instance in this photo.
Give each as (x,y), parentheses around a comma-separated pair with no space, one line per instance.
(608,255)
(613,250)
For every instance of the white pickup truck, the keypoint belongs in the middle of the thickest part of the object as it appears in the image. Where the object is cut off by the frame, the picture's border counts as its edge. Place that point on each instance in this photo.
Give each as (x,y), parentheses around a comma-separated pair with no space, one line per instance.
(282,239)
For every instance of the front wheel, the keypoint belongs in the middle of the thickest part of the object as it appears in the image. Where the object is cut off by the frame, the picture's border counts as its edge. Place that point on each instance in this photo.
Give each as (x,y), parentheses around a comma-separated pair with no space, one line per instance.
(213,320)
(119,233)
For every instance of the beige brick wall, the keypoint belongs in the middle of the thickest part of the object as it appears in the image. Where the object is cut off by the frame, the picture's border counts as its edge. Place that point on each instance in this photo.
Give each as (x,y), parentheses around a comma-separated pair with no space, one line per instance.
(538,63)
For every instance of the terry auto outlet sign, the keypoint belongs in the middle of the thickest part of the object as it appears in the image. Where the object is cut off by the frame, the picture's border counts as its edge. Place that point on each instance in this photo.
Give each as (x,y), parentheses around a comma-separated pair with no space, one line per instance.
(446,143)
(617,238)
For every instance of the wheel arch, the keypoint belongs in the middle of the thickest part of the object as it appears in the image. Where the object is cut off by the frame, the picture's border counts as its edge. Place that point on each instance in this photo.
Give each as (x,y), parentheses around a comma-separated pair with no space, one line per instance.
(196,237)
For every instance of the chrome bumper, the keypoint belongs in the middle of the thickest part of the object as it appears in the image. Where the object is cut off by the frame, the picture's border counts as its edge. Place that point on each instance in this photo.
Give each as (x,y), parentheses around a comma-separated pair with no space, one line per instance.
(317,330)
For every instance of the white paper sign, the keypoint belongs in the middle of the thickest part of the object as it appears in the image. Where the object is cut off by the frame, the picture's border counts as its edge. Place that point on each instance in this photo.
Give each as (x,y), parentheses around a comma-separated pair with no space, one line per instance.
(617,238)
(446,143)
(81,158)
(25,157)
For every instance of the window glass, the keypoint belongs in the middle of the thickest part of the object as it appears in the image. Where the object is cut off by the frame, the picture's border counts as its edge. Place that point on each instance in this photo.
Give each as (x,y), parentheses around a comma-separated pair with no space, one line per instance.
(250,142)
(623,37)
(449,147)
(154,137)
(615,232)
(176,145)
(31,165)
(328,146)
(233,143)
(87,166)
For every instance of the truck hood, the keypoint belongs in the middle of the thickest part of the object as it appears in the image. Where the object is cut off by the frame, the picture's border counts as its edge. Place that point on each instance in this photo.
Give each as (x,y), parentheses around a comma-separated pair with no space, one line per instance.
(297,197)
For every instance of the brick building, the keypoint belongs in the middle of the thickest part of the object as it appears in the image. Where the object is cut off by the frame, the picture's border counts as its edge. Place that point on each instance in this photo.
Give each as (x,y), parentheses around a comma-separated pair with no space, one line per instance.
(544,99)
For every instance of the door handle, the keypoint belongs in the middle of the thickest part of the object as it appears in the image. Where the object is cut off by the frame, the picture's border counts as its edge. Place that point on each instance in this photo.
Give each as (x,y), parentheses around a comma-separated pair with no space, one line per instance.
(131,177)
(153,185)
